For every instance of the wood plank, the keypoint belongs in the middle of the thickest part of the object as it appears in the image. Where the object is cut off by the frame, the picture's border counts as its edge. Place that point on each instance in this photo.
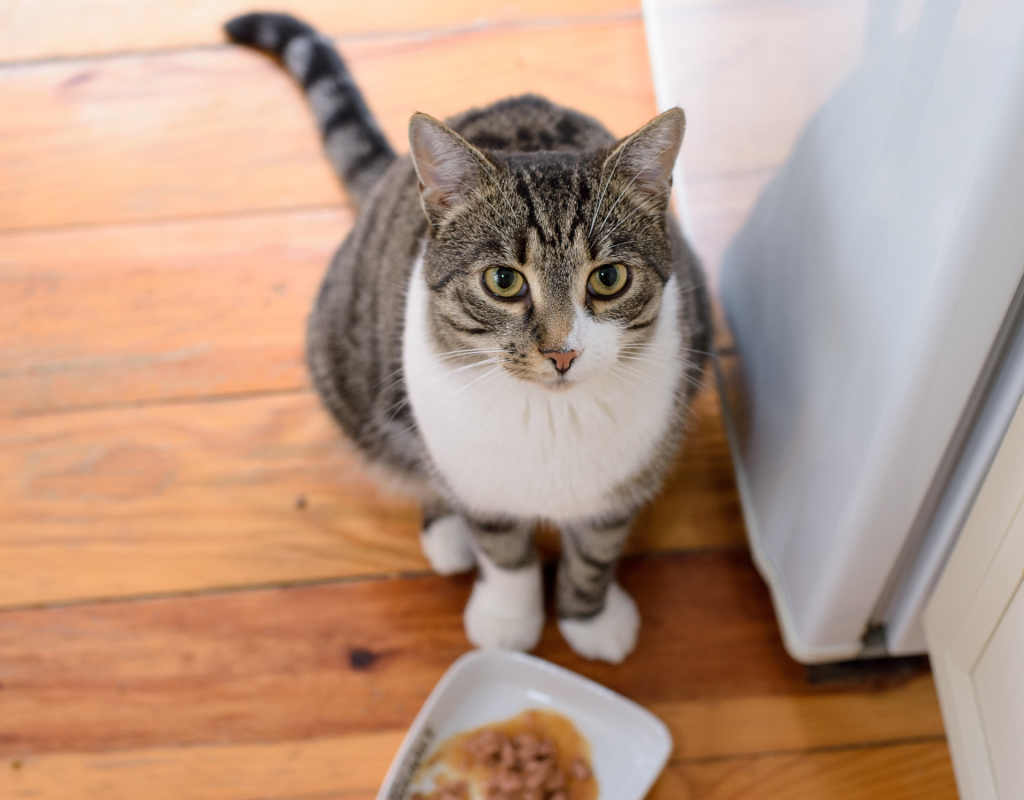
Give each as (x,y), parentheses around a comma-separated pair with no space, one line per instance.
(347,767)
(278,665)
(159,311)
(712,728)
(63,28)
(353,767)
(188,496)
(225,130)
(901,772)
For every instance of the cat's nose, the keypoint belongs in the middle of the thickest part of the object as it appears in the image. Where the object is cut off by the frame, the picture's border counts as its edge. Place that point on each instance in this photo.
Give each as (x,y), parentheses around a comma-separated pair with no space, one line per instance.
(563,359)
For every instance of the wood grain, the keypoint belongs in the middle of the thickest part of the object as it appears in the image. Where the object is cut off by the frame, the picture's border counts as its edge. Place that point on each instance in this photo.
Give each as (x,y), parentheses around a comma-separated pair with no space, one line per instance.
(920,771)
(67,28)
(159,311)
(353,766)
(340,767)
(708,728)
(225,130)
(278,665)
(190,496)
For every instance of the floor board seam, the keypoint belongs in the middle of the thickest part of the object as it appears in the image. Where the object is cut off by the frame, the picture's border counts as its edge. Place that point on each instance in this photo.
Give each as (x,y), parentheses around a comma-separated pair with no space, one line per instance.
(675,761)
(178,219)
(216,591)
(420,34)
(338,580)
(227,397)
(880,744)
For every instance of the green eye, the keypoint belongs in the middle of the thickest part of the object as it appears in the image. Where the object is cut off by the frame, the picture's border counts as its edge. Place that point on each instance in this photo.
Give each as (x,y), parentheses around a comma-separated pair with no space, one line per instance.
(608,280)
(504,282)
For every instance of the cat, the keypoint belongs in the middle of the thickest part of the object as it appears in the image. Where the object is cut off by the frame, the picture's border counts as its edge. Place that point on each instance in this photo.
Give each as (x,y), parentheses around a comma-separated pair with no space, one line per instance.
(513,329)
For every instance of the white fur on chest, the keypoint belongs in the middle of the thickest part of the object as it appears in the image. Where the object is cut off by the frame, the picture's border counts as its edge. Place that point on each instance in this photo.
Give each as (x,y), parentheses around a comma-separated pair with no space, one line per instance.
(510,447)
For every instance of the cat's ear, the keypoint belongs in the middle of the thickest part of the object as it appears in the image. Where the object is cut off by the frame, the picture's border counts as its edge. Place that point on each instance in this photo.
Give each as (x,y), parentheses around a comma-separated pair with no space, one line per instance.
(450,168)
(646,158)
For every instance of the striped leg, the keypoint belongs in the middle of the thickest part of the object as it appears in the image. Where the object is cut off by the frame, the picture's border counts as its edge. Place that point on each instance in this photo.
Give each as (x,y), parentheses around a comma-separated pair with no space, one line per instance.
(506,609)
(596,617)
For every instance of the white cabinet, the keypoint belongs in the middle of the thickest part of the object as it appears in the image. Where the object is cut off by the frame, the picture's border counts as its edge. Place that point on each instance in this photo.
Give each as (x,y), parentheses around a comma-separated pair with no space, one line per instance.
(975,628)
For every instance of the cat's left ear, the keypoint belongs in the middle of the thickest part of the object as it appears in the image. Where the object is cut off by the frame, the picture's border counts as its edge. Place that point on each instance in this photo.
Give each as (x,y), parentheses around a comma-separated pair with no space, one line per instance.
(647,157)
(450,169)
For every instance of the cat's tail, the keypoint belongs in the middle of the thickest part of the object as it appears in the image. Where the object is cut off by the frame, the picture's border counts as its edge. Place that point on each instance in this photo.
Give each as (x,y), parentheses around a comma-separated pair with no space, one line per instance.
(352,138)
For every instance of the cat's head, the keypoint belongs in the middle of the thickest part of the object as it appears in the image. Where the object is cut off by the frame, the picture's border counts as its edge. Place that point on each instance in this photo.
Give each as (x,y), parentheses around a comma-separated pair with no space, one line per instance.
(552,265)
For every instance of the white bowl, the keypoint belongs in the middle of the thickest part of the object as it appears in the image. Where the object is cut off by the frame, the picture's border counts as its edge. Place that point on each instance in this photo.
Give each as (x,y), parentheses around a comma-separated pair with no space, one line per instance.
(628,744)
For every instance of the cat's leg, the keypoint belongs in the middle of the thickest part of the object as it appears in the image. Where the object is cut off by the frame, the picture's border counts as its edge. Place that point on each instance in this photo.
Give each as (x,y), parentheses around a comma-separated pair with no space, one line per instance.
(506,609)
(446,538)
(596,617)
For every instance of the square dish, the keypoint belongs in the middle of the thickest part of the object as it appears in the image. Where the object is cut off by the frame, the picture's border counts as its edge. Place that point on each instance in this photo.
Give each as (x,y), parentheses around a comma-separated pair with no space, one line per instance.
(629,746)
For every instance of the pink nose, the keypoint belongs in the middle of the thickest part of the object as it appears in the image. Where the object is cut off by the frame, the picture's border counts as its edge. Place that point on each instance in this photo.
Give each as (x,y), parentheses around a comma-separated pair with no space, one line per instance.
(563,360)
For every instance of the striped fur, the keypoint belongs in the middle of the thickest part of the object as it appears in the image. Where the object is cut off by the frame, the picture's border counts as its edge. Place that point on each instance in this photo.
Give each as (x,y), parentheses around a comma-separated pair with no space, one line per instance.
(354,142)
(454,392)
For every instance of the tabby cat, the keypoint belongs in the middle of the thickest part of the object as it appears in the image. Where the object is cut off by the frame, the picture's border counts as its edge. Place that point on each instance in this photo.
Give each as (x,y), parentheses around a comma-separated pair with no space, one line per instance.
(513,329)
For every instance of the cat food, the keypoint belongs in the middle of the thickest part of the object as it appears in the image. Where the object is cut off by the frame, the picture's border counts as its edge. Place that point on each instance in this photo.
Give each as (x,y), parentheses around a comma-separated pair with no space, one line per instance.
(536,755)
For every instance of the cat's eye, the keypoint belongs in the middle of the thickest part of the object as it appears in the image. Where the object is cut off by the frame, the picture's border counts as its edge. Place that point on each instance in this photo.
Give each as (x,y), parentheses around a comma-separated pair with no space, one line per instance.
(505,282)
(608,280)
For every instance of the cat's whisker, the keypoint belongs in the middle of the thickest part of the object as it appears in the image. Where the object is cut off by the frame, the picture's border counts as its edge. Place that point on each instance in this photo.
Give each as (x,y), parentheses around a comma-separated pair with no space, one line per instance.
(486,378)
(654,347)
(632,181)
(625,189)
(447,356)
(657,362)
(483,380)
(494,178)
(631,241)
(396,375)
(452,354)
(604,188)
(497,385)
(476,190)
(398,406)
(640,207)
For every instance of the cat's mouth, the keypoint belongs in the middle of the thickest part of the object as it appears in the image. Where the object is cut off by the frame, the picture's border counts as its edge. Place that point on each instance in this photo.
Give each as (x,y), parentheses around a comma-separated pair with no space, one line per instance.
(560,383)
(549,379)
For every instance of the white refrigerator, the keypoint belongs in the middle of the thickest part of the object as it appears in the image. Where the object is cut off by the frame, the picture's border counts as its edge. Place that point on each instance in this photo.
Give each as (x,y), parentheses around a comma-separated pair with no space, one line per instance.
(853,174)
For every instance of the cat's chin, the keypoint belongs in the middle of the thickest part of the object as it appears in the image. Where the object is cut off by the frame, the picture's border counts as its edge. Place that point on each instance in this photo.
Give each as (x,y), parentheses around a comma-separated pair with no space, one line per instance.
(559,384)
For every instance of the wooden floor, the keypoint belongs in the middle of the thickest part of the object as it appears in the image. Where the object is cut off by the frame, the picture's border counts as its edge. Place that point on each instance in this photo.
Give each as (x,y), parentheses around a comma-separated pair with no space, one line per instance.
(202,594)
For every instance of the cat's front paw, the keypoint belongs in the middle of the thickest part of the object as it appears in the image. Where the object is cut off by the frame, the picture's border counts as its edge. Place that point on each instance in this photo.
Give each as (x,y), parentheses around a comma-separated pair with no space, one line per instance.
(492,631)
(446,544)
(609,635)
(506,611)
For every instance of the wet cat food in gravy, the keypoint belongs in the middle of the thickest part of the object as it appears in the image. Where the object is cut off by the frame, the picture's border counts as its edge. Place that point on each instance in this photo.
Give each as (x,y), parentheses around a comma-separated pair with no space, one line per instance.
(535,755)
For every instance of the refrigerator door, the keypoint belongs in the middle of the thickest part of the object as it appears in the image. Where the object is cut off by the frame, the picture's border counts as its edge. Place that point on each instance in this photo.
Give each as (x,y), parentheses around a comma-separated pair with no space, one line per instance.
(866,293)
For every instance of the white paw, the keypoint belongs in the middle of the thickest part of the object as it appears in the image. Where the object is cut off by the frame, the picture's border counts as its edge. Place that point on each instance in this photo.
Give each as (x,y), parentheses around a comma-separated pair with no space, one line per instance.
(505,611)
(446,544)
(608,636)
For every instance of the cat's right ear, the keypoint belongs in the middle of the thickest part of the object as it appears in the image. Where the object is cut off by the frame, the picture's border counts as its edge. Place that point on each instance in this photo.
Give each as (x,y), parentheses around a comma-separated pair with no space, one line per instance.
(450,168)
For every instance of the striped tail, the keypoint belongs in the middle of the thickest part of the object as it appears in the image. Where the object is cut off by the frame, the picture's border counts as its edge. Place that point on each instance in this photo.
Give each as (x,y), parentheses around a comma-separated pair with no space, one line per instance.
(354,142)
